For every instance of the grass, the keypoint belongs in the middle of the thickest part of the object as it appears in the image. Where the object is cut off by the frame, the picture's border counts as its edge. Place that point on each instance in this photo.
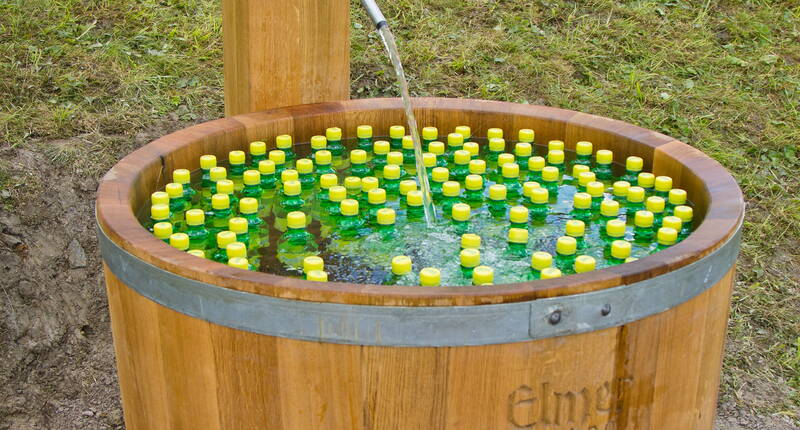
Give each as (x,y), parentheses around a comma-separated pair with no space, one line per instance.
(723,76)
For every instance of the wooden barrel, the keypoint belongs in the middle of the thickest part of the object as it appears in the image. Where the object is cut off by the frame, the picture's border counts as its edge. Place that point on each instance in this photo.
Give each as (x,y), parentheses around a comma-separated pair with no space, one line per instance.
(202,345)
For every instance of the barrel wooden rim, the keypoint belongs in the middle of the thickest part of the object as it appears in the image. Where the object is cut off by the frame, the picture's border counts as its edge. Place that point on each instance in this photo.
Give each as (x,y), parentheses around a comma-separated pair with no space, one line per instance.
(723,200)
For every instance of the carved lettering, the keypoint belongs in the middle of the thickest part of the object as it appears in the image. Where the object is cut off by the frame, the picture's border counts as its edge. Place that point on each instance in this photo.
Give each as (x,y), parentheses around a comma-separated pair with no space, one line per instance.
(604,398)
(565,407)
(521,411)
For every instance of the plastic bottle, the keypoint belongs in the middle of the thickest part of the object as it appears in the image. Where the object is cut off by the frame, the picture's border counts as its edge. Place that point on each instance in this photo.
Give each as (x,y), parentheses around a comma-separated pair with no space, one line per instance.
(353,186)
(240,263)
(523,152)
(395,158)
(241,228)
(224,238)
(497,146)
(158,213)
(312,262)
(470,259)
(473,148)
(517,243)
(666,237)
(596,190)
(226,186)
(163,230)
(177,203)
(473,185)
(268,179)
(470,240)
(430,277)
(555,145)
(497,200)
(376,200)
(527,188)
(334,137)
(526,135)
(248,208)
(643,226)
(540,208)
(429,134)
(391,178)
(540,260)
(429,161)
(238,250)
(350,224)
(510,172)
(460,214)
(451,194)
(196,229)
(582,207)
(284,143)
(455,141)
(584,263)
(647,181)
(555,158)
(439,175)
(656,205)
(519,217)
(620,250)
(633,166)
(635,199)
(323,163)
(482,275)
(326,181)
(401,267)
(258,152)
(396,133)
(437,148)
(408,148)
(380,149)
(673,222)
(550,178)
(305,170)
(179,241)
(364,136)
(367,184)
(603,167)
(620,191)
(206,163)
(535,166)
(551,273)
(477,167)
(252,184)
(677,197)
(566,249)
(663,185)
(237,161)
(318,143)
(336,194)
(582,176)
(614,230)
(296,234)
(461,159)
(464,131)
(583,153)
(685,213)
(415,211)
(220,213)
(404,188)
(184,177)
(291,200)
(386,218)
(358,163)
(216,174)
(278,158)
(609,209)
(576,229)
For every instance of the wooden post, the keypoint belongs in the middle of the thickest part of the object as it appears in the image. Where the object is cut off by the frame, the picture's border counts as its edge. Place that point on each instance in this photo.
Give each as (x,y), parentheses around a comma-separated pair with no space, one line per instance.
(280,53)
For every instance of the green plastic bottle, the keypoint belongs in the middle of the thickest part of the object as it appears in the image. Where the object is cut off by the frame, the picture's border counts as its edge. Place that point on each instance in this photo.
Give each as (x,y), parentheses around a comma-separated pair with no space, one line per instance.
(523,152)
(464,131)
(284,143)
(470,240)
(620,191)
(620,250)
(177,203)
(334,137)
(430,277)
(295,235)
(252,184)
(614,230)
(643,226)
(482,275)
(477,167)
(406,186)
(647,181)
(666,237)
(408,149)
(364,136)
(576,229)
(510,172)
(685,213)
(401,269)
(455,142)
(663,185)
(184,177)
(517,243)
(566,250)
(461,159)
(318,143)
(237,161)
(305,171)
(240,227)
(677,197)
(396,133)
(584,263)
(358,163)
(220,213)
(540,208)
(199,236)
(583,153)
(386,218)
(381,149)
(326,181)
(158,213)
(216,174)
(207,162)
(391,178)
(496,173)
(350,224)
(555,158)
(429,161)
(224,238)
(367,184)
(226,186)
(540,260)
(497,146)
(656,205)
(439,175)
(163,230)
(582,207)
(258,153)
(634,201)
(353,186)
(470,259)
(596,190)
(582,176)
(429,134)
(633,166)
(473,148)
(526,135)
(323,163)
(278,158)
(497,200)
(291,200)
(550,179)
(535,166)
(603,166)
(311,263)
(179,241)
(519,217)
(527,188)
(415,210)
(336,194)
(473,185)
(451,194)
(460,214)
(674,223)
(248,209)
(376,199)
(609,209)
(237,250)
(495,133)
(240,263)
(268,179)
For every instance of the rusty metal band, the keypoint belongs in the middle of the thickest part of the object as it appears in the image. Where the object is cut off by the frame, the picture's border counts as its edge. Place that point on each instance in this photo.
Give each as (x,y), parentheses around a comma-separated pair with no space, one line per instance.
(420,326)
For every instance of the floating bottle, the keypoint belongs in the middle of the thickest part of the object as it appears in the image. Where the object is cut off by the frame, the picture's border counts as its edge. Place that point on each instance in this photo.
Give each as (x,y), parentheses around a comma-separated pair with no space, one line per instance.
(551,273)
(177,203)
(408,148)
(226,187)
(470,240)
(353,186)
(620,191)
(526,135)
(582,207)
(429,161)
(465,131)
(470,259)
(523,152)
(240,263)
(395,158)
(317,276)
(396,133)
(312,262)
(477,167)
(248,208)
(296,234)
(603,164)
(252,184)
(367,184)
(473,185)
(566,249)
(482,275)
(336,194)
(656,205)
(216,174)
(582,176)
(519,217)
(318,143)
(494,133)
(517,242)
(305,172)
(473,149)
(685,213)
(497,200)
(555,158)
(614,230)
(323,163)
(179,241)
(596,190)
(584,263)
(196,229)
(620,250)
(540,199)
(633,166)
(527,188)
(643,226)
(326,181)
(666,237)
(220,213)
(278,158)
(430,277)
(364,138)
(647,181)
(677,197)
(207,162)
(583,153)
(429,134)
(634,199)
(240,227)
(284,144)
(555,145)
(258,153)
(497,146)
(673,222)
(439,175)
(510,172)
(535,166)
(451,193)
(455,142)
(268,179)
(224,238)
(237,161)
(609,209)
(414,211)
(437,149)
(576,229)
(406,186)
(386,218)
(238,250)
(540,260)
(401,267)
(380,149)
(663,185)
(460,214)
(184,177)
(550,178)
(350,224)
(461,159)
(291,200)
(158,213)
(391,178)
(376,199)
(163,230)
(334,137)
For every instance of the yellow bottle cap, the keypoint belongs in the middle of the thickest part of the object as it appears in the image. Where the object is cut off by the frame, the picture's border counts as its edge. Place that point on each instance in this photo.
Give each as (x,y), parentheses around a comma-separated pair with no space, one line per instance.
(225,186)
(364,131)
(462,156)
(414,198)
(207,162)
(482,275)
(474,182)
(685,213)
(464,131)
(646,180)
(526,135)
(266,167)
(386,216)
(584,177)
(518,215)
(540,195)
(655,204)
(195,217)
(376,196)
(529,186)
(319,142)
(473,148)
(615,228)
(397,131)
(621,188)
(578,170)
(497,144)
(595,189)
(291,188)
(239,263)
(505,158)
(451,189)
(583,148)
(220,201)
(634,163)
(566,245)
(317,276)
(333,133)
(460,212)
(162,230)
(328,180)
(381,147)
(511,170)
(217,173)
(609,207)
(296,219)
(408,142)
(277,156)
(455,139)
(470,240)
(337,193)
(557,145)
(391,172)
(237,225)
(604,156)
(672,222)
(174,190)
(406,186)
(401,265)
(179,241)
(677,197)
(621,249)
(550,273)
(550,174)
(477,167)
(584,263)
(575,228)
(289,175)
(643,219)
(357,156)
(369,183)
(470,257)
(196,253)
(436,148)
(663,183)
(394,157)
(312,262)
(667,236)
(497,192)
(582,201)
(323,157)
(494,133)
(518,235)
(440,174)
(248,205)
(252,177)
(352,183)
(541,260)
(225,238)
(237,157)
(349,207)
(523,149)
(430,133)
(283,141)
(636,194)
(258,148)
(430,277)
(555,156)
(182,176)
(429,159)
(630,259)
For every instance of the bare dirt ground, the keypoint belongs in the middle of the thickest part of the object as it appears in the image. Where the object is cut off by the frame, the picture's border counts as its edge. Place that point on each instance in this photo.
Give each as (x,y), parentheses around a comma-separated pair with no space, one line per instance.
(57,367)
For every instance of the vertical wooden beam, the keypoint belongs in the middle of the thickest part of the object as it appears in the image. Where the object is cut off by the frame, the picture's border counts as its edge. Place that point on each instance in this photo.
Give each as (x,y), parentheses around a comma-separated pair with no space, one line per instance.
(280,53)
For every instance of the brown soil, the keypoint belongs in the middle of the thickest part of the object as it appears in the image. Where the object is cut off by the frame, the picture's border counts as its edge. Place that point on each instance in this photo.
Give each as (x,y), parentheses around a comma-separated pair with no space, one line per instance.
(57,369)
